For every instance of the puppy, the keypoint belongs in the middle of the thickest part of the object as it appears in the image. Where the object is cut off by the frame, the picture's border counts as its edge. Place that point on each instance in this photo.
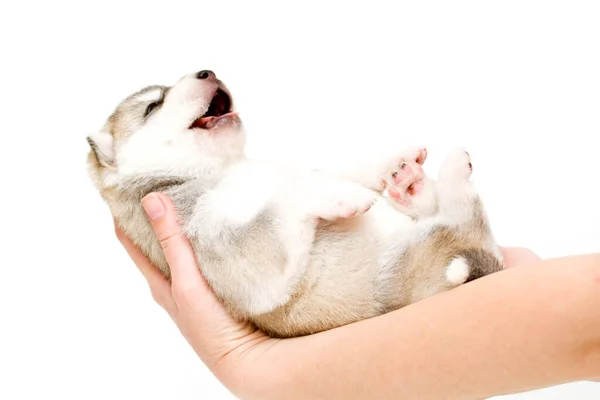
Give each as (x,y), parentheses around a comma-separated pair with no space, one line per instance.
(293,251)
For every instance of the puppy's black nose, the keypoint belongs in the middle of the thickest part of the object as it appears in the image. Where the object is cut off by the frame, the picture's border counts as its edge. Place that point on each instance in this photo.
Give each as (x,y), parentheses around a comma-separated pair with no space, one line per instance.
(205,74)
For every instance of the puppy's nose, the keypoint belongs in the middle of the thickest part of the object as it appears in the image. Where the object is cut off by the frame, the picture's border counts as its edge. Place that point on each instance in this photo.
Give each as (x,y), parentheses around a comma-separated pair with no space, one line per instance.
(206,74)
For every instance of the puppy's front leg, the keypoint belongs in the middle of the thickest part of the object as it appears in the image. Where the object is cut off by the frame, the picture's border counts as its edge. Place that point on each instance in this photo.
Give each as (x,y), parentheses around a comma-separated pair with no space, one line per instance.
(332,199)
(400,176)
(374,173)
(408,188)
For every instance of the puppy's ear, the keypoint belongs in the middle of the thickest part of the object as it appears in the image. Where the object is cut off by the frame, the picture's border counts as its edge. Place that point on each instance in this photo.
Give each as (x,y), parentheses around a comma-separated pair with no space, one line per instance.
(102,145)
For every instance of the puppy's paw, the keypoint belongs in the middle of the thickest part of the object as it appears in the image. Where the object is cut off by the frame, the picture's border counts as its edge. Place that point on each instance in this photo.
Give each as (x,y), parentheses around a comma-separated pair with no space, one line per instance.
(412,155)
(345,200)
(457,167)
(405,179)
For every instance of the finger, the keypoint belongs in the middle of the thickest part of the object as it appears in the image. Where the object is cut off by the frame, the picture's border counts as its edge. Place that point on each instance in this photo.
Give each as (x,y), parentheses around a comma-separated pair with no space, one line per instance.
(150,272)
(159,287)
(515,256)
(185,276)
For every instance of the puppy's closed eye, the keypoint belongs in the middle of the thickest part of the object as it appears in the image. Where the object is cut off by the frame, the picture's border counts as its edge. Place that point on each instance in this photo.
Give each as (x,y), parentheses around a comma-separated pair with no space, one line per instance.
(151,107)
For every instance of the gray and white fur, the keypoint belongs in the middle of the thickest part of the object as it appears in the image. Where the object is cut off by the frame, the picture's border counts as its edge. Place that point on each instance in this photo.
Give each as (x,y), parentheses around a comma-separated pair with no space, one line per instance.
(293,251)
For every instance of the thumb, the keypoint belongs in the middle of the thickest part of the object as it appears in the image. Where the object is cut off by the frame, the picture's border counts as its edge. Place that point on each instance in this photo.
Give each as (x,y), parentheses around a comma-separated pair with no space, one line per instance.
(177,249)
(191,293)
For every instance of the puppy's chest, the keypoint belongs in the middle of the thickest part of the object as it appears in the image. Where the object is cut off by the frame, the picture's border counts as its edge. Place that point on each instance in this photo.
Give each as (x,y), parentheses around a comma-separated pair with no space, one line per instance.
(245,191)
(388,224)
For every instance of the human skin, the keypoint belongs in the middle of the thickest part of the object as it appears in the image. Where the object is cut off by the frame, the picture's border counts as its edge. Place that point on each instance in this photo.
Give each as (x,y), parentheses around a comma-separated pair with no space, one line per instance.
(520,329)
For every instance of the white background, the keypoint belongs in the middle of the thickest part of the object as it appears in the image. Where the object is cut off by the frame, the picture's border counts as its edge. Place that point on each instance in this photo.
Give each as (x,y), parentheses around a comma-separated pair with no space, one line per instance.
(515,82)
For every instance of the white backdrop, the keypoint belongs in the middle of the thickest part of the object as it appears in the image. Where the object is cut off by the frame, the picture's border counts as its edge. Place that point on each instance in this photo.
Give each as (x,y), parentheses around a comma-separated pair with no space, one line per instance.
(515,82)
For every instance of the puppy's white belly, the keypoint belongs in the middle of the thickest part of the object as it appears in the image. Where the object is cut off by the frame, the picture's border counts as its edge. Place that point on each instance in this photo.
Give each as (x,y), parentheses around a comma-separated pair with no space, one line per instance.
(388,223)
(245,191)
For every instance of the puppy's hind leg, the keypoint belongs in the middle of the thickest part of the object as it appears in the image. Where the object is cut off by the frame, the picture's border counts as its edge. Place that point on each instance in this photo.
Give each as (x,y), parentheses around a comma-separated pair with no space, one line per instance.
(458,200)
(461,210)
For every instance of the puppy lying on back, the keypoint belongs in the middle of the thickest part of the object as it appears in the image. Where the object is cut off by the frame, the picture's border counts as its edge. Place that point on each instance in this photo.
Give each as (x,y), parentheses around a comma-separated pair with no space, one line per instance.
(293,251)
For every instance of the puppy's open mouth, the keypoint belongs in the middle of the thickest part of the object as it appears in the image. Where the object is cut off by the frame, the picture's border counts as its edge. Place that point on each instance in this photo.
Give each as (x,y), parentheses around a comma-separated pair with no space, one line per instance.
(220,106)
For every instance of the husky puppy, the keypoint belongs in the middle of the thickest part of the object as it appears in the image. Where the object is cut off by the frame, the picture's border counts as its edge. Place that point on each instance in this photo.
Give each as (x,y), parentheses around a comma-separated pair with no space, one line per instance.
(293,251)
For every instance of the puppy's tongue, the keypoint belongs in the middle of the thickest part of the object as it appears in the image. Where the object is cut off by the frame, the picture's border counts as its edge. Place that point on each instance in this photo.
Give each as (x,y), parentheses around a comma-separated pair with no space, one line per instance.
(210,122)
(205,121)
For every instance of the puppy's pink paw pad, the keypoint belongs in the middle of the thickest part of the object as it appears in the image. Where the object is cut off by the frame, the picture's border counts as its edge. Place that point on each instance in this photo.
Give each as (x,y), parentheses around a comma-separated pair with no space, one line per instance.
(421,156)
(405,181)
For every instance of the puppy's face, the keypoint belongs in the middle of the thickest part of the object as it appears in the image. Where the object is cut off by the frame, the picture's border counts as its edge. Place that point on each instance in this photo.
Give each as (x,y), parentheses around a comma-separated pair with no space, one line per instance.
(183,130)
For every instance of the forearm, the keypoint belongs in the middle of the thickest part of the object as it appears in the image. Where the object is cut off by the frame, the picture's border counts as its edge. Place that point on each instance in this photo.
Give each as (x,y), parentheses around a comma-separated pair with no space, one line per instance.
(521,329)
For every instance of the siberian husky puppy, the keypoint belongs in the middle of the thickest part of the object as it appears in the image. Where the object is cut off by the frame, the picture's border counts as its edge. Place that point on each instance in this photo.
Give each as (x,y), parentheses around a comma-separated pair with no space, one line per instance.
(293,251)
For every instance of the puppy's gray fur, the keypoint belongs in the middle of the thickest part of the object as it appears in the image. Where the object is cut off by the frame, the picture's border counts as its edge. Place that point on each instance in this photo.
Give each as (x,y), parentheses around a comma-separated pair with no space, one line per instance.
(292,251)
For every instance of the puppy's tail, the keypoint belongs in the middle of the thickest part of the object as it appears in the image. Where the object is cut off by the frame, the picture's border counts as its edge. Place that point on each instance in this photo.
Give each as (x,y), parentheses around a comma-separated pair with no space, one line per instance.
(471,264)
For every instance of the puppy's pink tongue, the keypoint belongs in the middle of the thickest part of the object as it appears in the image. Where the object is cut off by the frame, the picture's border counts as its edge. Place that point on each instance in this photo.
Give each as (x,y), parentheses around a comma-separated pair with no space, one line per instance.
(210,122)
(204,122)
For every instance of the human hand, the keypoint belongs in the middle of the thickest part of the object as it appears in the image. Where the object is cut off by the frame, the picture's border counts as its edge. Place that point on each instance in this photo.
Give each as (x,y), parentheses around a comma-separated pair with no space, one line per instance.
(211,332)
(233,351)
(515,256)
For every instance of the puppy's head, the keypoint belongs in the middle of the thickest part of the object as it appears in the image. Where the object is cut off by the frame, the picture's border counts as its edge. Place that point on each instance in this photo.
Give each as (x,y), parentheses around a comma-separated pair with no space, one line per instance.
(185,130)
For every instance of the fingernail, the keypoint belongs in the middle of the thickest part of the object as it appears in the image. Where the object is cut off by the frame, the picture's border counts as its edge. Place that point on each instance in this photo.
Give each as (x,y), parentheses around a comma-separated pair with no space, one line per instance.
(153,206)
